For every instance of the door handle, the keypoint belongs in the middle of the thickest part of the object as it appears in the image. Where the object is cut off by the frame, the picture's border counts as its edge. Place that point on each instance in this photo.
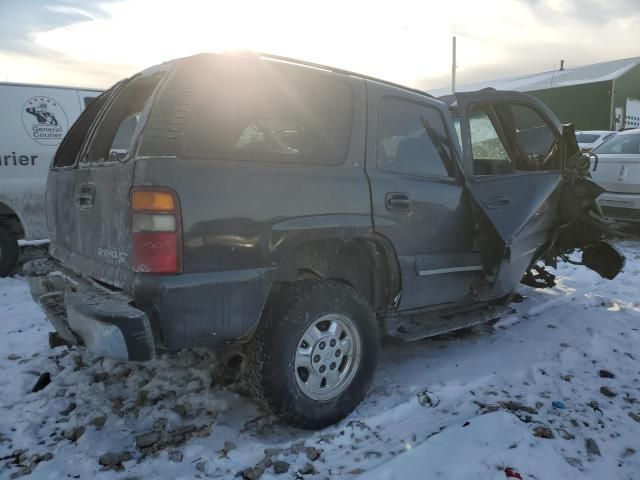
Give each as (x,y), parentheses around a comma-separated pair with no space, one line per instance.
(498,202)
(398,202)
(85,196)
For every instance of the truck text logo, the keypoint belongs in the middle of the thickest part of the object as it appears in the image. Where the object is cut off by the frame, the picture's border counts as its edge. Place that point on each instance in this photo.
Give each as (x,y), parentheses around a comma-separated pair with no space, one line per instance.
(44,120)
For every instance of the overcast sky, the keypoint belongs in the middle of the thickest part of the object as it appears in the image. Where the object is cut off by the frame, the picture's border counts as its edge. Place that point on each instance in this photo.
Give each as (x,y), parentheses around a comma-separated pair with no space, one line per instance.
(95,43)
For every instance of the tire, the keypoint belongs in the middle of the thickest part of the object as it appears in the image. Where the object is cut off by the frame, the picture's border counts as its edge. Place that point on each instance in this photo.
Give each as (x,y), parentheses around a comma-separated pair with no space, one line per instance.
(8,252)
(290,328)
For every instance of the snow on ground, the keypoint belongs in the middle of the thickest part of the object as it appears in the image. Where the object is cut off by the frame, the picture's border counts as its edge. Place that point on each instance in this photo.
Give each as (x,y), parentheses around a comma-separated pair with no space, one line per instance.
(462,406)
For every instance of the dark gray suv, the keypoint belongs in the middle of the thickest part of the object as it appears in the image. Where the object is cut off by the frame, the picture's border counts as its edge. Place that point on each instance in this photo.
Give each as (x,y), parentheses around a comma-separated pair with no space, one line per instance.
(301,212)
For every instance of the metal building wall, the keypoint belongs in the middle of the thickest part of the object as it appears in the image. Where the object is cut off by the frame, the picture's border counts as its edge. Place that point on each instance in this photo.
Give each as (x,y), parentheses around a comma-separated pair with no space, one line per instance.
(587,106)
(627,86)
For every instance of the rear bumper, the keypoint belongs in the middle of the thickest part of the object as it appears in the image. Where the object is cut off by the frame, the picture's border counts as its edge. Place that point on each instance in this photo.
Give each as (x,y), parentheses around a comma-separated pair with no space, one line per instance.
(620,206)
(84,313)
(171,311)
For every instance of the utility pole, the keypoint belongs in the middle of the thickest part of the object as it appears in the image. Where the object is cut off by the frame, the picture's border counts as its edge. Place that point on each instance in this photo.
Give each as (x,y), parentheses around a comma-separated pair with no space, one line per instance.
(453,67)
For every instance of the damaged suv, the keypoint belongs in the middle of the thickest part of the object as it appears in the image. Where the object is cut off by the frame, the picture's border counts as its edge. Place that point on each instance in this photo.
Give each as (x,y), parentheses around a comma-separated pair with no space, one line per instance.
(301,212)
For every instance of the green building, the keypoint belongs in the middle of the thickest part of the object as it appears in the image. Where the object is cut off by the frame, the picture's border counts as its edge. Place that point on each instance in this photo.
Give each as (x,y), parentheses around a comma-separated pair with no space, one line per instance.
(601,96)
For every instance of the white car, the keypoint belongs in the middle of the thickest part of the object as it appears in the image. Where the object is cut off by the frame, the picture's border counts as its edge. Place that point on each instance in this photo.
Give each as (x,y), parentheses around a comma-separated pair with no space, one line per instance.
(589,139)
(33,121)
(617,170)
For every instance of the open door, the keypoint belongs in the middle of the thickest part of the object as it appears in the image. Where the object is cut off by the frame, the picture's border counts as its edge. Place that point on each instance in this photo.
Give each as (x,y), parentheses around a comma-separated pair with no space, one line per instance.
(515,163)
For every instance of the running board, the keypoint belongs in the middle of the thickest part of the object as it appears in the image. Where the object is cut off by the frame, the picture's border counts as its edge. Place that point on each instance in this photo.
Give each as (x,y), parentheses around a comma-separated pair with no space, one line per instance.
(416,326)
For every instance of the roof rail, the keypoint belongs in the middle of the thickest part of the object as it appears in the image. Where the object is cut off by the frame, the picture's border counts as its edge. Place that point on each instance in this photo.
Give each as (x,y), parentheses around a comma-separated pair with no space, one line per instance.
(341,71)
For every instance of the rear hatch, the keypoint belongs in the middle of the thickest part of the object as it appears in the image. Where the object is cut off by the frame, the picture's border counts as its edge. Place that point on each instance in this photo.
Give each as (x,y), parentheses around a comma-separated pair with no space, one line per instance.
(618,163)
(89,183)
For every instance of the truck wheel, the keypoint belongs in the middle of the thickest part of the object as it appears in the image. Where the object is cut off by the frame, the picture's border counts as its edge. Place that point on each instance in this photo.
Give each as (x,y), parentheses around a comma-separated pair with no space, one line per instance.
(8,252)
(315,353)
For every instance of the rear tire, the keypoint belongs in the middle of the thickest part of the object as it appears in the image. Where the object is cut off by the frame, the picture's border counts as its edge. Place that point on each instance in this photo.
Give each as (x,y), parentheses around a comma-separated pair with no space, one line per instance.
(314,354)
(8,252)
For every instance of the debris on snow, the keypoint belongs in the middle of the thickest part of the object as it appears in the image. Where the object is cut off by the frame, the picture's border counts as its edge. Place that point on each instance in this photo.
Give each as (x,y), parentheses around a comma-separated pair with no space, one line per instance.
(73,434)
(307,469)
(312,453)
(635,416)
(98,422)
(147,439)
(511,473)
(175,456)
(114,459)
(43,380)
(280,467)
(543,432)
(607,392)
(592,447)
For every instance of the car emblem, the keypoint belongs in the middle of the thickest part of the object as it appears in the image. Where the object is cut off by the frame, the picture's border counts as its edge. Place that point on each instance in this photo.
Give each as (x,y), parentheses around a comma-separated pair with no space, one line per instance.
(622,173)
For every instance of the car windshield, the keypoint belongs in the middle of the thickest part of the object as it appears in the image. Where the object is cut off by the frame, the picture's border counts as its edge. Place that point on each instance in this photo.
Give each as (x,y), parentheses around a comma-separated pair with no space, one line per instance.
(587,137)
(628,144)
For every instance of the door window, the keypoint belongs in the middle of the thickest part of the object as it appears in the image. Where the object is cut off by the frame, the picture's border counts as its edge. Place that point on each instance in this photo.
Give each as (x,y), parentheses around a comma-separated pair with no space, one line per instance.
(412,140)
(490,156)
(507,138)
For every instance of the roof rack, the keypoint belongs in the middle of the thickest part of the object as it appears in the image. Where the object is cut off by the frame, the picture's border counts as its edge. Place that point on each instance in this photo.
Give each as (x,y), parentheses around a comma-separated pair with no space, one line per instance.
(341,71)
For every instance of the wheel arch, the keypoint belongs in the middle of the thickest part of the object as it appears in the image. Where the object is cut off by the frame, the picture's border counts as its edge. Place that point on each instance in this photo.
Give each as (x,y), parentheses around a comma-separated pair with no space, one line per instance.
(367,263)
(11,219)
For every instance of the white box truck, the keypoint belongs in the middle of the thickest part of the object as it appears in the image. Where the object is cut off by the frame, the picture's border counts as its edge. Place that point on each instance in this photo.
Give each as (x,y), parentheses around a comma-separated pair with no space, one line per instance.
(33,121)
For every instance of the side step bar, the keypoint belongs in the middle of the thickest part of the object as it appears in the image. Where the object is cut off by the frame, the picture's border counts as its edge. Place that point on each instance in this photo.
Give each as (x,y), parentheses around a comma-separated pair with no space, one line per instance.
(419,325)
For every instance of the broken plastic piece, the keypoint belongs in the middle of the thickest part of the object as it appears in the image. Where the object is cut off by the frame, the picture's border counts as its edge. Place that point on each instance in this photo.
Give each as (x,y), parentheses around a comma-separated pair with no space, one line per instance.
(540,279)
(511,473)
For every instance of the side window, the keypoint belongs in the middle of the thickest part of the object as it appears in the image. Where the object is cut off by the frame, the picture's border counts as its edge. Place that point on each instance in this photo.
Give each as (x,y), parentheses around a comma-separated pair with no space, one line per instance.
(123,139)
(489,153)
(412,140)
(114,136)
(506,138)
(534,137)
(271,112)
(70,146)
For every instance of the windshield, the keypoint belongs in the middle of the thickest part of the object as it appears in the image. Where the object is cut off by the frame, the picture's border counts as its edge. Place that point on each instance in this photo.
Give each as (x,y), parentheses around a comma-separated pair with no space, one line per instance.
(626,144)
(587,137)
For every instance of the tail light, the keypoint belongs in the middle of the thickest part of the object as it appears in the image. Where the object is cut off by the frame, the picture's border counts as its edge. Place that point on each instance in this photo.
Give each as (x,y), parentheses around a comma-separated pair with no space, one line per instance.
(156,230)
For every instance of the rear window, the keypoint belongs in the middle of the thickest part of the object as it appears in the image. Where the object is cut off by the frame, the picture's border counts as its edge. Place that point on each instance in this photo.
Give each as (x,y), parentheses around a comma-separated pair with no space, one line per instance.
(586,137)
(271,112)
(621,144)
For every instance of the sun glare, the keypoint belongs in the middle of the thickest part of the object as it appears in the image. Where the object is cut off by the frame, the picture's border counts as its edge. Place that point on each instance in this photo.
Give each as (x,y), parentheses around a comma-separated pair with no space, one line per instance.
(386,43)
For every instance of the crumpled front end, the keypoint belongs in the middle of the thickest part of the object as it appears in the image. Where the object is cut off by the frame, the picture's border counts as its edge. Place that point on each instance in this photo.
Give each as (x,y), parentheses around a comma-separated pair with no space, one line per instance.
(581,228)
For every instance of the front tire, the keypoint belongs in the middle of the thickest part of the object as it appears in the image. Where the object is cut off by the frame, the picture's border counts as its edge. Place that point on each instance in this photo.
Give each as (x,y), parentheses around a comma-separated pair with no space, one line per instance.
(315,353)
(8,252)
